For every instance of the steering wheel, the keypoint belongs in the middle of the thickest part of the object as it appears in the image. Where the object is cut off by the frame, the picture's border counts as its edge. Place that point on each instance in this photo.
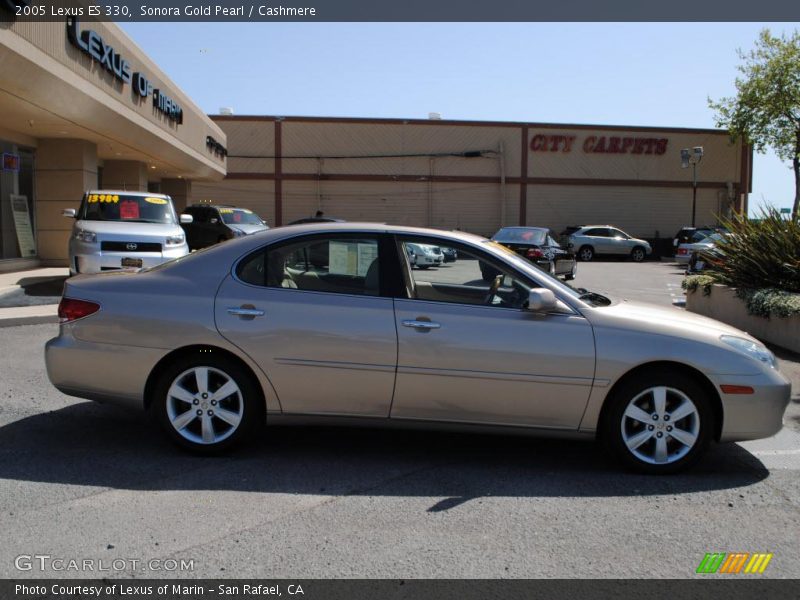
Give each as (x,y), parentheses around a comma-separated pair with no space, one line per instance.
(496,283)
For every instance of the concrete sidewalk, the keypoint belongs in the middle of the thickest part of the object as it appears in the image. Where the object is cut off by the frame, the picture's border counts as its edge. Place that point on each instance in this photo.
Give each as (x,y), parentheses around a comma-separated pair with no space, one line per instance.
(31,297)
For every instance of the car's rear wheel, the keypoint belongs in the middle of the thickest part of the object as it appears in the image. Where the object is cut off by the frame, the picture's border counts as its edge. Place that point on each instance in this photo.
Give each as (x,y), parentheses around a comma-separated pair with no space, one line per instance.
(659,422)
(207,403)
(586,253)
(637,254)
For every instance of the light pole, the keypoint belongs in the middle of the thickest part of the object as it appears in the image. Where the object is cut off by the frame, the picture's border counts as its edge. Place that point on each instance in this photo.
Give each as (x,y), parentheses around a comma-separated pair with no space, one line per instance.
(693,157)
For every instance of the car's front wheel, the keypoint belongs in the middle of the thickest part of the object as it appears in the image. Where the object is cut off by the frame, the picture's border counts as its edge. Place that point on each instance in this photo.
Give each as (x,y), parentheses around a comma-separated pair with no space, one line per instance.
(637,254)
(659,422)
(207,403)
(573,273)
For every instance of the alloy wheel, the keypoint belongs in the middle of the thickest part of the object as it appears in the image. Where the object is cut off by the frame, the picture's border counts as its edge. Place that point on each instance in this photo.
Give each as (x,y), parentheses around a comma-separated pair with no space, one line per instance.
(660,425)
(204,405)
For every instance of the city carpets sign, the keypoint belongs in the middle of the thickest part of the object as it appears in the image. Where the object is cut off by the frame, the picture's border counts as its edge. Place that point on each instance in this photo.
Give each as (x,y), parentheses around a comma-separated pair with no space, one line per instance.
(599,144)
(91,43)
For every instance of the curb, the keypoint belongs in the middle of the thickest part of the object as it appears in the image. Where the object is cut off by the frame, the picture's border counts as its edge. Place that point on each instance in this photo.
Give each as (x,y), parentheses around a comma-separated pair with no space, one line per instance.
(29,315)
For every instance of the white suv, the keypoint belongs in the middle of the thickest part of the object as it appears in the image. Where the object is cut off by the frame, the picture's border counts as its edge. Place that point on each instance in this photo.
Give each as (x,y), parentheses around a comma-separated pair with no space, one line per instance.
(124,230)
(605,239)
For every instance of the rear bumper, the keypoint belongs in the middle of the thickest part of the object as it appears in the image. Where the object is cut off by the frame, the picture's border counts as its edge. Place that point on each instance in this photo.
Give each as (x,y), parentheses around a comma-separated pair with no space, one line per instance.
(114,374)
(682,258)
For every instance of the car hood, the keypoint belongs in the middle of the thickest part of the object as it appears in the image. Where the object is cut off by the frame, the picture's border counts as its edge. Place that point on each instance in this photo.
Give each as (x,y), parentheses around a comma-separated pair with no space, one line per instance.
(662,319)
(126,229)
(638,241)
(248,228)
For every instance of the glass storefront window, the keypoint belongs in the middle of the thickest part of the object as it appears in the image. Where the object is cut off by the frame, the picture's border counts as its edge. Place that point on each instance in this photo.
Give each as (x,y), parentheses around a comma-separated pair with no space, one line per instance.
(17,227)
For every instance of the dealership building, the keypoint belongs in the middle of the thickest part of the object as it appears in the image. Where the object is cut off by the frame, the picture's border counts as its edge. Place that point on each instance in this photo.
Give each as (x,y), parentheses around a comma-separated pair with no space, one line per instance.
(83,107)
(478,175)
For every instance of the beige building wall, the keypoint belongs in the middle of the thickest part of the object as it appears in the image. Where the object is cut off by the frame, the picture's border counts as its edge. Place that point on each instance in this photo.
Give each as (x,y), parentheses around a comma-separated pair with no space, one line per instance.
(416,173)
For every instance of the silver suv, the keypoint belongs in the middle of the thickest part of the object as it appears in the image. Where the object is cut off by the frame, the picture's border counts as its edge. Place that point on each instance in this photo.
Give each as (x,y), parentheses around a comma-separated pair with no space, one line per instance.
(124,230)
(592,240)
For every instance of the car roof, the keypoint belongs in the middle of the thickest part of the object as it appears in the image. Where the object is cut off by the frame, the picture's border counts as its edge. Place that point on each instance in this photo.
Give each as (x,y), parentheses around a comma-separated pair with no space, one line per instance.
(524,227)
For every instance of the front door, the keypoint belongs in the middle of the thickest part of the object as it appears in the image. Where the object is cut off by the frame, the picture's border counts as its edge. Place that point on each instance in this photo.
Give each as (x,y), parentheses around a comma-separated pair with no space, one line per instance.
(311,314)
(468,353)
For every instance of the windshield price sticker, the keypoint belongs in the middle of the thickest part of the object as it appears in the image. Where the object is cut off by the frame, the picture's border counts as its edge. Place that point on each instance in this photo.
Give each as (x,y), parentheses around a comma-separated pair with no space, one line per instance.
(110,198)
(129,209)
(155,200)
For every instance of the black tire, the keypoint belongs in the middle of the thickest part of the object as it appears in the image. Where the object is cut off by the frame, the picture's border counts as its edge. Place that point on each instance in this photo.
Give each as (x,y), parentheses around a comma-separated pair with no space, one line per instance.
(423,267)
(638,254)
(586,253)
(248,403)
(680,457)
(221,239)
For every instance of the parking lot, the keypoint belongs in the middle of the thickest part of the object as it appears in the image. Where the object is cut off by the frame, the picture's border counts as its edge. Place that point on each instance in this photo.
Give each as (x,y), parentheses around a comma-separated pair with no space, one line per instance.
(81,480)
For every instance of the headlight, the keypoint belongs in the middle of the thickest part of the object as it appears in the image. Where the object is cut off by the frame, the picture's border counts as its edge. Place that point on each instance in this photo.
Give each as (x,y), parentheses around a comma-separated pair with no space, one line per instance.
(85,236)
(751,348)
(237,232)
(175,240)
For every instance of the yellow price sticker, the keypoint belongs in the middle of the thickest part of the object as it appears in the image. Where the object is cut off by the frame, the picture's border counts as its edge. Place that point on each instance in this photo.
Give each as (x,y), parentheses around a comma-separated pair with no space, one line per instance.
(155,200)
(226,211)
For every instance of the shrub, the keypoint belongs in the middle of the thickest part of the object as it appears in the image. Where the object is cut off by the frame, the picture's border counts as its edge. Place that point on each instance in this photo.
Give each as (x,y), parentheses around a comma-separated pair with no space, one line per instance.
(759,253)
(770,302)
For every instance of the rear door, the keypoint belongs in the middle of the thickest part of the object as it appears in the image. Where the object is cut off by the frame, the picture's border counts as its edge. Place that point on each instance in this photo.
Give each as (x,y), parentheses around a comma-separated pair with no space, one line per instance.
(312,313)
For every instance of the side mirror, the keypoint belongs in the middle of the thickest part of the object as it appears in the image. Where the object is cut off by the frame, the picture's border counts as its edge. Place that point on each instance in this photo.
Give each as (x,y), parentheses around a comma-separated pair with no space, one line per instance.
(541,300)
(214,221)
(69,212)
(186,218)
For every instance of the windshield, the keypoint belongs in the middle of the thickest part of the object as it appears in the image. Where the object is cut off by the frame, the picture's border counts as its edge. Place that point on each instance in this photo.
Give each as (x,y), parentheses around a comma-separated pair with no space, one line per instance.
(524,236)
(716,237)
(127,208)
(239,216)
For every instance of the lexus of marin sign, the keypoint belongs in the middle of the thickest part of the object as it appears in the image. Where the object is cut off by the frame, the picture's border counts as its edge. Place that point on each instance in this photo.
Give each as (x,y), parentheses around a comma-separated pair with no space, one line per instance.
(91,43)
(599,144)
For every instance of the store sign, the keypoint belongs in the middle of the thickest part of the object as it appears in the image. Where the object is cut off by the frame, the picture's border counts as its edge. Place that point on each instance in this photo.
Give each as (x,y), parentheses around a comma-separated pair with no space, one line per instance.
(215,147)
(594,144)
(91,43)
(10,162)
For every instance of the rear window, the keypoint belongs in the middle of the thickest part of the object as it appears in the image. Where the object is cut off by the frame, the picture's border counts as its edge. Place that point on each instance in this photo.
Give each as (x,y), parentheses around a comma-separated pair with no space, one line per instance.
(524,236)
(127,208)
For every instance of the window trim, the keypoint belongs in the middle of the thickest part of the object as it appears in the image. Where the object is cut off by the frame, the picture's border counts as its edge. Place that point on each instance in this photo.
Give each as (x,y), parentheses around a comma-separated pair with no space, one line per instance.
(387,262)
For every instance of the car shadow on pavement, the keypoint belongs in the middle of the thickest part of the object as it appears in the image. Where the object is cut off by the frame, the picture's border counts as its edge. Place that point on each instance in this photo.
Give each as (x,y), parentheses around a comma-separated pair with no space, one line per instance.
(93,445)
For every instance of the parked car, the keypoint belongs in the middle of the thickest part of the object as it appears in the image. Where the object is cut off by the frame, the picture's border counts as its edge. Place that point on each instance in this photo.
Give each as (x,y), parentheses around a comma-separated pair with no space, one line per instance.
(316,220)
(116,230)
(593,240)
(212,224)
(698,241)
(705,252)
(539,246)
(426,256)
(687,234)
(219,342)
(449,254)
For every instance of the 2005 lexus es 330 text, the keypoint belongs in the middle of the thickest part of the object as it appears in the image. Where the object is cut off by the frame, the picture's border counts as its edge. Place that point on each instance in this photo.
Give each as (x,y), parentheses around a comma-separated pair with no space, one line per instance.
(330,321)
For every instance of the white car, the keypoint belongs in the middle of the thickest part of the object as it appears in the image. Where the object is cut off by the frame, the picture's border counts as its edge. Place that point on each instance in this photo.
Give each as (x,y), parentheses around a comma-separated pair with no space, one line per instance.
(124,230)
(425,256)
(591,240)
(700,241)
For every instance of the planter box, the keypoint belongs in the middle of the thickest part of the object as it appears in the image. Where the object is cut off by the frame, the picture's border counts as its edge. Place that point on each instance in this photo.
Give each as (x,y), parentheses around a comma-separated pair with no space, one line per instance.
(723,305)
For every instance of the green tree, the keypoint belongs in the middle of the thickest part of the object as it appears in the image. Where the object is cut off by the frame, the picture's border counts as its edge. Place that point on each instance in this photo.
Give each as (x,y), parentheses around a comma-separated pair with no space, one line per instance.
(766,109)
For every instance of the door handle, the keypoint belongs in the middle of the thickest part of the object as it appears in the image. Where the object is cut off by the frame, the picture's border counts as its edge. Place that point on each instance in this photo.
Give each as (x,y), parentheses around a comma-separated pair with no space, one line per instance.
(421,324)
(243,311)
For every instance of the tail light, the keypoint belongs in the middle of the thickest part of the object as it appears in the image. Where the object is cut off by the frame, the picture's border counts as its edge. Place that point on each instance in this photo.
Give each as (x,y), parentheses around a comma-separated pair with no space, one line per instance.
(534,253)
(70,309)
(683,251)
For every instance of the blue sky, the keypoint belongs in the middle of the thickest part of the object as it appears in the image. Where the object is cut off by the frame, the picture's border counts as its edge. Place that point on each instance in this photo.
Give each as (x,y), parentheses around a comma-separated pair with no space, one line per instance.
(599,73)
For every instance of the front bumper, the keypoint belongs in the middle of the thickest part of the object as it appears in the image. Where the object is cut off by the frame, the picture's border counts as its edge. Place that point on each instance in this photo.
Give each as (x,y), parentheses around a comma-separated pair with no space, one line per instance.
(428,260)
(88,258)
(758,415)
